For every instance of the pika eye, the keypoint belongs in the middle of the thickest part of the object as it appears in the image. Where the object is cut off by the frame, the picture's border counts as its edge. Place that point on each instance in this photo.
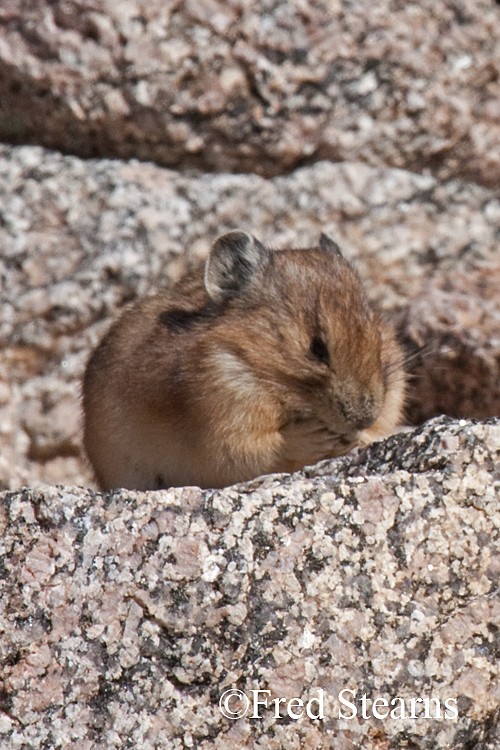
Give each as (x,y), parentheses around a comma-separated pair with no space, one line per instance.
(319,350)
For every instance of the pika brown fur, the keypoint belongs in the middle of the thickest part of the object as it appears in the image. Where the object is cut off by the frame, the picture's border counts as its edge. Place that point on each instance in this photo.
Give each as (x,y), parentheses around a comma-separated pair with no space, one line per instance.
(262,361)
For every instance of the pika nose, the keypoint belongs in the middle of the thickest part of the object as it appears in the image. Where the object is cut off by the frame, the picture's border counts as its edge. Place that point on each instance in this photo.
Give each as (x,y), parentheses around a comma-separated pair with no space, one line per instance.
(362,423)
(359,413)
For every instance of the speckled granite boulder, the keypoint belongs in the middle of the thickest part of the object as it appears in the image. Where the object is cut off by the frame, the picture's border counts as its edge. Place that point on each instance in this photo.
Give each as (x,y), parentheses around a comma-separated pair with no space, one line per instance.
(257,87)
(125,617)
(80,238)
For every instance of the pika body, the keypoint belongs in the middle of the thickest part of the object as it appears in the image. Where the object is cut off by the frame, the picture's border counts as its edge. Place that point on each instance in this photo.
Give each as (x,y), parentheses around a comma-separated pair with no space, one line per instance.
(258,361)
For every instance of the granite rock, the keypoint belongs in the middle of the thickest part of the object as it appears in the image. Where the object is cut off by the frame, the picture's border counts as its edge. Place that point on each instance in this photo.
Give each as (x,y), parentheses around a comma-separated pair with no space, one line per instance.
(453,325)
(126,616)
(257,87)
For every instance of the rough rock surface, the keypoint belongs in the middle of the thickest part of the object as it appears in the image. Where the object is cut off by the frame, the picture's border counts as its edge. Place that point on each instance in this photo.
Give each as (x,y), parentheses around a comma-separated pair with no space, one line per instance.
(257,87)
(126,616)
(81,238)
(457,320)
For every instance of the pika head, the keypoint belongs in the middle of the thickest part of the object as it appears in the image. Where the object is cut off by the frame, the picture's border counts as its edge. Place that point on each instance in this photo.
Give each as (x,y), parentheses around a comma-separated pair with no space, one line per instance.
(309,332)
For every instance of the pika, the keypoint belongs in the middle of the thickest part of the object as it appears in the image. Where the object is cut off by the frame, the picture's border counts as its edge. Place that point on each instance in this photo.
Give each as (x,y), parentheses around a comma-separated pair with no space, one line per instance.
(261,361)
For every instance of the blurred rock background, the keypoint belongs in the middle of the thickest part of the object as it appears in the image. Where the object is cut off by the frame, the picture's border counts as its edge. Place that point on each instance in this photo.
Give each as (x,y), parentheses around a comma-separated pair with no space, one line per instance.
(134,133)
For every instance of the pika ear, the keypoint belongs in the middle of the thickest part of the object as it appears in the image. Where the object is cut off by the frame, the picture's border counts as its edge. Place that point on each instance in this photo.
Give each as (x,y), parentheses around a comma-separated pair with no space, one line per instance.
(233,262)
(328,245)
